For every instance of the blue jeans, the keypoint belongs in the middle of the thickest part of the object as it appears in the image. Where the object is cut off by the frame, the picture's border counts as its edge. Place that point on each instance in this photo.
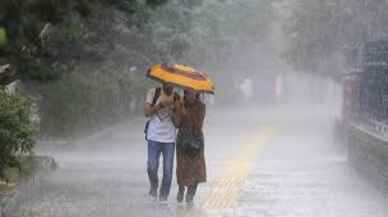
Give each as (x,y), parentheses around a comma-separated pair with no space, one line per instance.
(155,149)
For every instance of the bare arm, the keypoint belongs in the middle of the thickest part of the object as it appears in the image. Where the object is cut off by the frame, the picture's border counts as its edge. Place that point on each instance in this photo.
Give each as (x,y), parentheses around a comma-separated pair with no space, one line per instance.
(150,108)
(178,113)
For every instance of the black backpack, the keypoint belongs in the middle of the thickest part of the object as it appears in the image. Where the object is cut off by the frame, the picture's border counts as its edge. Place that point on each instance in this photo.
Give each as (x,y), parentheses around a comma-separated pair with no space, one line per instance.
(154,100)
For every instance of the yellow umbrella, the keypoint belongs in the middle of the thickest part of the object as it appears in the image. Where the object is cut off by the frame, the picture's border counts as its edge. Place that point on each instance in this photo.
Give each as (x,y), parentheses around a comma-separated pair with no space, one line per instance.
(183,76)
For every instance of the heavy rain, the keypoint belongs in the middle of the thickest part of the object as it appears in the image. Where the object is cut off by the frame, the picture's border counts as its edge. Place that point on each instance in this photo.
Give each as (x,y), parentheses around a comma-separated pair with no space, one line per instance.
(175,108)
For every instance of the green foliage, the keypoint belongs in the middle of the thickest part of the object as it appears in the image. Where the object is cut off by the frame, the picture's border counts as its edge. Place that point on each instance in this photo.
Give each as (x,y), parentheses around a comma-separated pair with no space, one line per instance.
(179,31)
(212,35)
(76,54)
(3,36)
(207,32)
(16,130)
(36,70)
(28,166)
(50,39)
(88,99)
(322,33)
(51,11)
(50,35)
(155,2)
(72,28)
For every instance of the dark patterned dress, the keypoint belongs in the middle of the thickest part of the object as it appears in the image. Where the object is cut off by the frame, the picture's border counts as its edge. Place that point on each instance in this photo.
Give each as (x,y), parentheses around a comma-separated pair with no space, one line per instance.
(191,167)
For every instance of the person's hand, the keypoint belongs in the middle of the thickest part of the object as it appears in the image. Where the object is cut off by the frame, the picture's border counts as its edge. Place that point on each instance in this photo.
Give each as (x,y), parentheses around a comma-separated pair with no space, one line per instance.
(179,104)
(156,108)
(166,100)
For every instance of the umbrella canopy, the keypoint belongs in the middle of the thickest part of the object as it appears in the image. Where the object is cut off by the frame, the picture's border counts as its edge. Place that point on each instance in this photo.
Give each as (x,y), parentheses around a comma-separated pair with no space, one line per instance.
(182,76)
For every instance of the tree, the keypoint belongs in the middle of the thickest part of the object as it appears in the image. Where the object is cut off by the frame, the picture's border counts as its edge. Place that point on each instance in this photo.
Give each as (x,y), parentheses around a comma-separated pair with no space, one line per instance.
(16,130)
(85,60)
(214,36)
(60,49)
(322,34)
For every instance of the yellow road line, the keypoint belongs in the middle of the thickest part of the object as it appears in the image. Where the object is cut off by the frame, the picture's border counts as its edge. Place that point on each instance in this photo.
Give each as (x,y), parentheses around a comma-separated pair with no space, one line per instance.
(228,186)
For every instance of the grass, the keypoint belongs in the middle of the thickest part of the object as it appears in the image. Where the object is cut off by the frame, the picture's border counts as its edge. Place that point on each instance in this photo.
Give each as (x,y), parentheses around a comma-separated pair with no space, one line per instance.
(7,187)
(12,175)
(30,165)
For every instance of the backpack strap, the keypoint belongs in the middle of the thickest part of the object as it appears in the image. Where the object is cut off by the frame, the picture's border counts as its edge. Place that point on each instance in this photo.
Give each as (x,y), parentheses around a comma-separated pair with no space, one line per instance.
(156,96)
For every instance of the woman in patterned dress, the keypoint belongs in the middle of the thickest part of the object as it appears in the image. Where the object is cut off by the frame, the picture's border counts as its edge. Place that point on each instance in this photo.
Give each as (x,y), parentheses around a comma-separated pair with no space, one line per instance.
(191,166)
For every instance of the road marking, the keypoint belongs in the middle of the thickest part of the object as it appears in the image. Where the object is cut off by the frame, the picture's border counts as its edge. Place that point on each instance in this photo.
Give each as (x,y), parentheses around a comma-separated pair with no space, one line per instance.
(228,186)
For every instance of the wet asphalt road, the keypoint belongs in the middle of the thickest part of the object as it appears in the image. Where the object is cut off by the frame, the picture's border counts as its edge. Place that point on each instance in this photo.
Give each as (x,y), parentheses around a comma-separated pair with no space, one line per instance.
(261,162)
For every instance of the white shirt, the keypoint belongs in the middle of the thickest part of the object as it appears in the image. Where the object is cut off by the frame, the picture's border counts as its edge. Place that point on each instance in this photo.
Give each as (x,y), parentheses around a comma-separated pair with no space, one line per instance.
(161,128)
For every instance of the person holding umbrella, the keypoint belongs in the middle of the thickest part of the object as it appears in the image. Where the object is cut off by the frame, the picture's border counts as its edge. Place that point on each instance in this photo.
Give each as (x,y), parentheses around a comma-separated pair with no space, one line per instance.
(189,114)
(161,135)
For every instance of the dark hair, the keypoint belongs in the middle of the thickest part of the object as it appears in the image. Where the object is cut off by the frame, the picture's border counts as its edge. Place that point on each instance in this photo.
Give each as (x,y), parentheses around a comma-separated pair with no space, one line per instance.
(197,95)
